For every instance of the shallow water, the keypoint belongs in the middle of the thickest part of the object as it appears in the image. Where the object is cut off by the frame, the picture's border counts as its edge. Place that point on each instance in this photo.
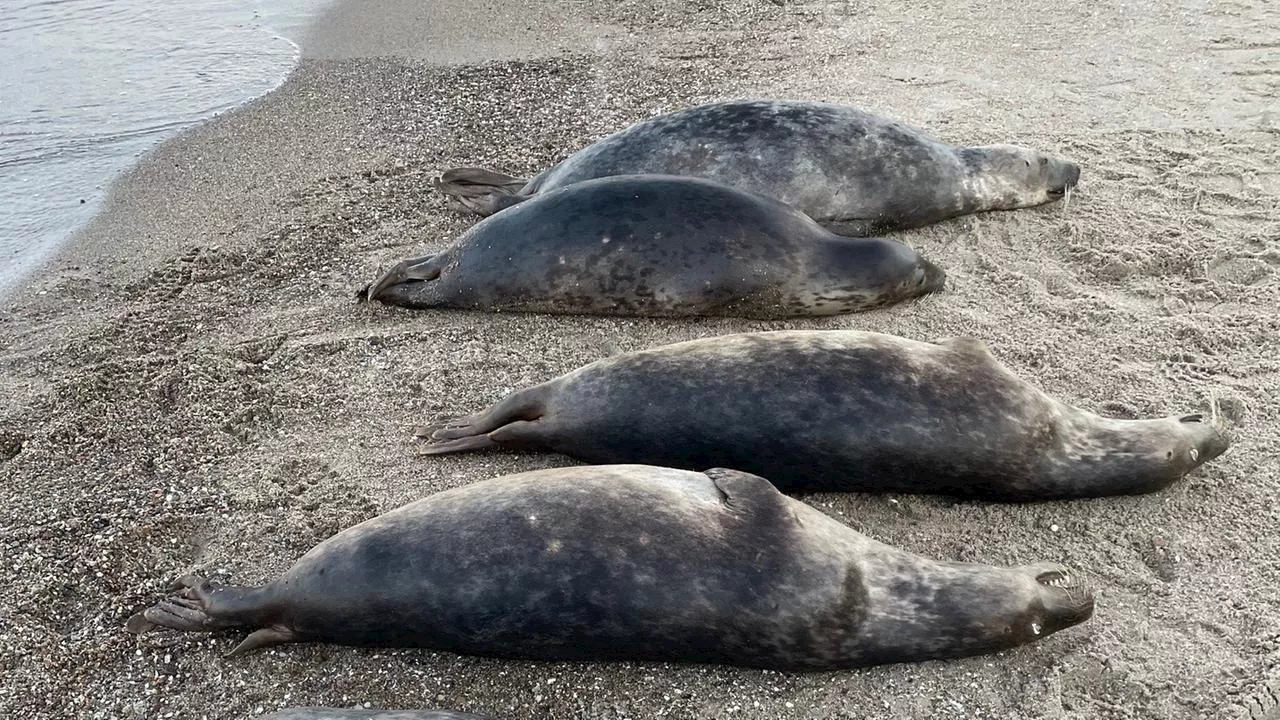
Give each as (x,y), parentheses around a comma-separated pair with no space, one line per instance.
(86,86)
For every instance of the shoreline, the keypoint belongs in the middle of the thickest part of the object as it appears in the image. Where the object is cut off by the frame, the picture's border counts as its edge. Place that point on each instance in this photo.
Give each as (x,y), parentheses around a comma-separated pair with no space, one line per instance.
(120,146)
(193,388)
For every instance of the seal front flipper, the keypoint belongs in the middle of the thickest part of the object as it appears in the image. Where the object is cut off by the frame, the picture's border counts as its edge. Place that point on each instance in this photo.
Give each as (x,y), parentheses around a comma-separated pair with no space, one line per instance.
(263,637)
(423,268)
(746,493)
(483,192)
(510,422)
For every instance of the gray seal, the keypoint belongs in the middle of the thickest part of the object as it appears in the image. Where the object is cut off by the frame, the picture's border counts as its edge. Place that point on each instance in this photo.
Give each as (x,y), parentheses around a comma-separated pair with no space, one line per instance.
(840,410)
(657,245)
(854,171)
(634,563)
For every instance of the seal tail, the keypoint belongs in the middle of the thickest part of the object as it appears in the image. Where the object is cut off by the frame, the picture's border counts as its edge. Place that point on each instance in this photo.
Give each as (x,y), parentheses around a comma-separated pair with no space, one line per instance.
(483,192)
(197,606)
(422,269)
(498,425)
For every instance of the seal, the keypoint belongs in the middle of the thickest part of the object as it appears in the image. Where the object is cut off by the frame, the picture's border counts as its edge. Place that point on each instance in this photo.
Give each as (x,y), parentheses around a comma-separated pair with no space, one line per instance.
(634,563)
(856,172)
(324,713)
(840,410)
(657,245)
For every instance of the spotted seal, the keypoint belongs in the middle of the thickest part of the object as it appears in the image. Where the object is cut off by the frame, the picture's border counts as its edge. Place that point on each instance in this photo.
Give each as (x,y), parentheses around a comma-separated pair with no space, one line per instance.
(856,172)
(840,410)
(632,562)
(656,245)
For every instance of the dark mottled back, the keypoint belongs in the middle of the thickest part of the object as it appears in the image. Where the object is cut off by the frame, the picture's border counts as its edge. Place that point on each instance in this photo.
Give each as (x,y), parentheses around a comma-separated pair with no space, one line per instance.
(656,245)
(840,412)
(569,568)
(837,164)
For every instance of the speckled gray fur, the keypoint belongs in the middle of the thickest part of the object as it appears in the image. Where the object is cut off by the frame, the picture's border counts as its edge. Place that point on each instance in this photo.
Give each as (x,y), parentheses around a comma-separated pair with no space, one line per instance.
(841,410)
(659,246)
(632,562)
(857,172)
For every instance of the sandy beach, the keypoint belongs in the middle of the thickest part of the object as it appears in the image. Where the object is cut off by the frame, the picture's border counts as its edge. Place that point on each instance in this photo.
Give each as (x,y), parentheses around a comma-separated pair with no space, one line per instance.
(190,387)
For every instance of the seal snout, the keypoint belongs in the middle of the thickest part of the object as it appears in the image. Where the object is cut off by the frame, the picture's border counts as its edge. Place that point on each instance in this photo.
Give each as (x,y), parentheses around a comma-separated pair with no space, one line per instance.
(1067,601)
(935,277)
(1207,443)
(1063,176)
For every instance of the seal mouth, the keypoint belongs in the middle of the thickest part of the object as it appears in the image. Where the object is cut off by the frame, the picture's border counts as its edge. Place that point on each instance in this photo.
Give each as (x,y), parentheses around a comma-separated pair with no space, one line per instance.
(1057,578)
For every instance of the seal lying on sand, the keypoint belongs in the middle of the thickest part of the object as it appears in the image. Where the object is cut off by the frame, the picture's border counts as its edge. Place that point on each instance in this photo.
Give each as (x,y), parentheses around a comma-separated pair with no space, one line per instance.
(855,172)
(630,562)
(659,246)
(840,410)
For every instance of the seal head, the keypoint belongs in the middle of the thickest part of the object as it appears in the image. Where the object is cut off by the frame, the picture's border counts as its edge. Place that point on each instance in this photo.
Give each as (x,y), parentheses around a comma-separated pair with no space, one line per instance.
(1008,177)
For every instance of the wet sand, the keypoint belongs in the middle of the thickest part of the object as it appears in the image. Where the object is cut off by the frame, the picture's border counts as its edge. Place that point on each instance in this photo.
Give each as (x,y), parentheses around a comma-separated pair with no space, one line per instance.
(191,386)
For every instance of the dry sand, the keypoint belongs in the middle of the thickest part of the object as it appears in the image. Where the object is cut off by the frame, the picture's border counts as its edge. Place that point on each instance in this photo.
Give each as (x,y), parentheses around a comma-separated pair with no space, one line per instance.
(192,388)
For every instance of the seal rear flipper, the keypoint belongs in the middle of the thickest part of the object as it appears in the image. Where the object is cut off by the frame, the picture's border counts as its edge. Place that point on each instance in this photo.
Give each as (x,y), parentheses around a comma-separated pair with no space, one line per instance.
(198,606)
(483,192)
(445,447)
(424,269)
(500,424)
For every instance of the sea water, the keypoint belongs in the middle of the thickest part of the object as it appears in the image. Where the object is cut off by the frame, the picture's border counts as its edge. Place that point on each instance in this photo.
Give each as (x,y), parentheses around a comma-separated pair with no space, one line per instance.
(87,86)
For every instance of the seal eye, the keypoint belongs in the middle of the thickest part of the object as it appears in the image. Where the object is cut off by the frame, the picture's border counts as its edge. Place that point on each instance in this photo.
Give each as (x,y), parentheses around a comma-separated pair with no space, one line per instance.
(919,277)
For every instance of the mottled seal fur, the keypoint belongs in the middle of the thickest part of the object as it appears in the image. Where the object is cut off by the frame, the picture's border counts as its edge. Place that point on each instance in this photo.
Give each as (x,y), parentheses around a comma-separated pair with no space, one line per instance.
(656,245)
(357,714)
(854,171)
(840,410)
(631,562)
